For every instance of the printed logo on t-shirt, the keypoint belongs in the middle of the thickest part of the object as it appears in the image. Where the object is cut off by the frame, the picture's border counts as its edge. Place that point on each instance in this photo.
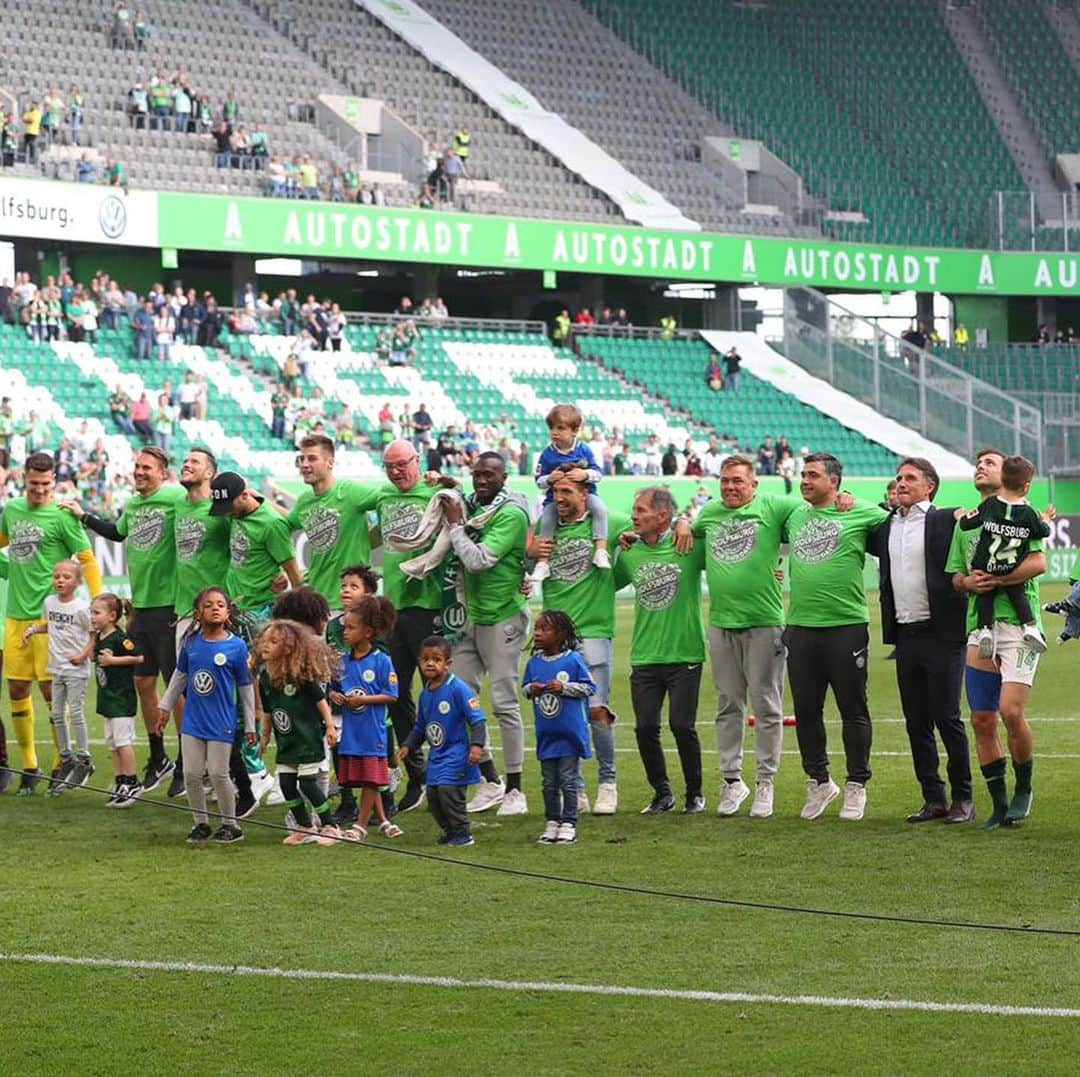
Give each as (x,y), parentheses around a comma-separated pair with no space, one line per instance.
(656,584)
(368,675)
(102,677)
(323,528)
(549,705)
(24,541)
(282,720)
(190,537)
(817,540)
(203,682)
(220,658)
(444,707)
(400,520)
(435,734)
(733,541)
(239,547)
(146,529)
(571,560)
(355,693)
(289,689)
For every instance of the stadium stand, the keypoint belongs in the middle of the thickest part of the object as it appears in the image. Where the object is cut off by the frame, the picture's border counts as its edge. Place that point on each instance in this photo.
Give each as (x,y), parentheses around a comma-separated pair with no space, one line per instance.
(831,88)
(1021,368)
(1038,70)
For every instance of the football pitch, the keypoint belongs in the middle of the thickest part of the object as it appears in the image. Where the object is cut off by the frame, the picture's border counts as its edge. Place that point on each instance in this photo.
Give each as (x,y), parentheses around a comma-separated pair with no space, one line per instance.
(711,945)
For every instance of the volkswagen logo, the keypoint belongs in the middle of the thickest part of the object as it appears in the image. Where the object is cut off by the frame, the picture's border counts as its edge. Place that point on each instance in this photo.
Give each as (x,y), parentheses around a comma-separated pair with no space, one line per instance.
(112,216)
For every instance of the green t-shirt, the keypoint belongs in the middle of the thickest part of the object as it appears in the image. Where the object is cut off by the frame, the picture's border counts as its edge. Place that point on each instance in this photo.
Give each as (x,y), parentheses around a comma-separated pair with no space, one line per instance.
(116,697)
(336,526)
(298,727)
(494,594)
(202,551)
(742,549)
(828,549)
(119,404)
(400,514)
(961,553)
(37,539)
(147,525)
(259,544)
(576,586)
(279,402)
(667,602)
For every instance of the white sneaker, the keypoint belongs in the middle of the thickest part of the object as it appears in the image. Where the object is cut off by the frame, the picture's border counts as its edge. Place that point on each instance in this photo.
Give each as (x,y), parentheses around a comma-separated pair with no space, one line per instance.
(567,834)
(550,834)
(514,803)
(607,799)
(487,795)
(854,801)
(986,643)
(819,795)
(732,794)
(762,807)
(261,784)
(601,559)
(541,572)
(1034,640)
(583,803)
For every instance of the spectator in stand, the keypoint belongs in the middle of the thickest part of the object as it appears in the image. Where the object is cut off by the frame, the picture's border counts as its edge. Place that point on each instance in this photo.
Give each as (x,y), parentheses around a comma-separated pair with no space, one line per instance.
(52,112)
(120,410)
(439,309)
(336,188)
(85,169)
(402,352)
(453,171)
(279,405)
(182,106)
(240,146)
(732,363)
(785,468)
(653,455)
(143,324)
(584,317)
(275,178)
(116,174)
(164,332)
(961,337)
(606,317)
(314,322)
(288,310)
(75,112)
(161,103)
(425,199)
(693,467)
(140,419)
(259,148)
(404,308)
(187,395)
(230,109)
(309,180)
(190,316)
(210,327)
(31,130)
(560,334)
(163,422)
(223,145)
(669,462)
(139,105)
(387,431)
(350,181)
(462,145)
(121,33)
(668,327)
(421,427)
(335,327)
(766,457)
(1042,334)
(141,30)
(714,375)
(202,114)
(622,319)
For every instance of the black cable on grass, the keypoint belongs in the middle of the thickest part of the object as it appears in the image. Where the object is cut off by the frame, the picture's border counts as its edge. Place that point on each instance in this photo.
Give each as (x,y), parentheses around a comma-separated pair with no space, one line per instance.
(624,888)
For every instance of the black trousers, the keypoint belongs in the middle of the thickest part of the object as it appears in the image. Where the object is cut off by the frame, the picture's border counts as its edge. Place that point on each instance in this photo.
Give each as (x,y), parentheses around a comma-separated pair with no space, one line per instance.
(447,806)
(413,626)
(820,659)
(681,684)
(1017,593)
(929,673)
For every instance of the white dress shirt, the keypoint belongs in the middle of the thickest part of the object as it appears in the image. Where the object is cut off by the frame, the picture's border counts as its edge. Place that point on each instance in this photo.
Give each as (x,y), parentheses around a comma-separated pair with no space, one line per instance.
(907,564)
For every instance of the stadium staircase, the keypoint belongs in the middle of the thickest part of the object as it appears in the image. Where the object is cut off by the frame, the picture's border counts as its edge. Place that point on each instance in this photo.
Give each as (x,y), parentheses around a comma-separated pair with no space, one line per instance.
(835,90)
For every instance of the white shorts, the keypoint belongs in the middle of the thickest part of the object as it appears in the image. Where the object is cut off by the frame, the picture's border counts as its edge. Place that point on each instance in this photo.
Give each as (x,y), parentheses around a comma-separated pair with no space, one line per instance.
(183,625)
(119,732)
(599,654)
(302,770)
(1015,659)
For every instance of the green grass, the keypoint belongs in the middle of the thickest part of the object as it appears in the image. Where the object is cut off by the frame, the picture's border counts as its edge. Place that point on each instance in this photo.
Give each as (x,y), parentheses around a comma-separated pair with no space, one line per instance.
(83,881)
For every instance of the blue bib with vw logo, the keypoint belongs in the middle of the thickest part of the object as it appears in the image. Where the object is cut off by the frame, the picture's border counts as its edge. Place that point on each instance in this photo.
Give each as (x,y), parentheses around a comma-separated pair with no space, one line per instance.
(214,670)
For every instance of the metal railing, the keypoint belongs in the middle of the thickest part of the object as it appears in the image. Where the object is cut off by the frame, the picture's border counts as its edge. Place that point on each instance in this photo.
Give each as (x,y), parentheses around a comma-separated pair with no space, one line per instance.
(905,383)
(1025,221)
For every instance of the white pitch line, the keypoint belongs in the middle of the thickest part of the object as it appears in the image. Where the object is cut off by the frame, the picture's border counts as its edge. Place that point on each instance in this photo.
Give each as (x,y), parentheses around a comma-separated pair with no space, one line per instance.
(675,994)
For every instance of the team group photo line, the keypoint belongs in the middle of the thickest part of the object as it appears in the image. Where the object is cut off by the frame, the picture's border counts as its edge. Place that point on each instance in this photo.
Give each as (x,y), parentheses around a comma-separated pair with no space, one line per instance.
(227,640)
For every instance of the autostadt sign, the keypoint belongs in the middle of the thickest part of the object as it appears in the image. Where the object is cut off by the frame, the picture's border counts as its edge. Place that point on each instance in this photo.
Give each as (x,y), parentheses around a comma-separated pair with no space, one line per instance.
(86,213)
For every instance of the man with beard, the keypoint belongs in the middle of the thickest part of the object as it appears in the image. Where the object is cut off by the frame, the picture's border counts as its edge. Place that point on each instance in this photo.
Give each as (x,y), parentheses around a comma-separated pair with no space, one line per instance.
(146,527)
(489,545)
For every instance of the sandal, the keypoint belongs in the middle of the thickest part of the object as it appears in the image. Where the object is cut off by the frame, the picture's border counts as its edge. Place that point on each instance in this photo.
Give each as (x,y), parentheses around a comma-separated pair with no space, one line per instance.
(390,830)
(355,833)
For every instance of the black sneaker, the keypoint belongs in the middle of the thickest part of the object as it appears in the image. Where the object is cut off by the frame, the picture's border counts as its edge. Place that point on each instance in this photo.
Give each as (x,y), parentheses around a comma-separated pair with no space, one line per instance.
(228,835)
(176,786)
(83,772)
(413,798)
(156,773)
(390,809)
(198,834)
(345,816)
(6,778)
(114,796)
(126,794)
(660,803)
(245,804)
(63,773)
(28,782)
(56,786)
(694,805)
